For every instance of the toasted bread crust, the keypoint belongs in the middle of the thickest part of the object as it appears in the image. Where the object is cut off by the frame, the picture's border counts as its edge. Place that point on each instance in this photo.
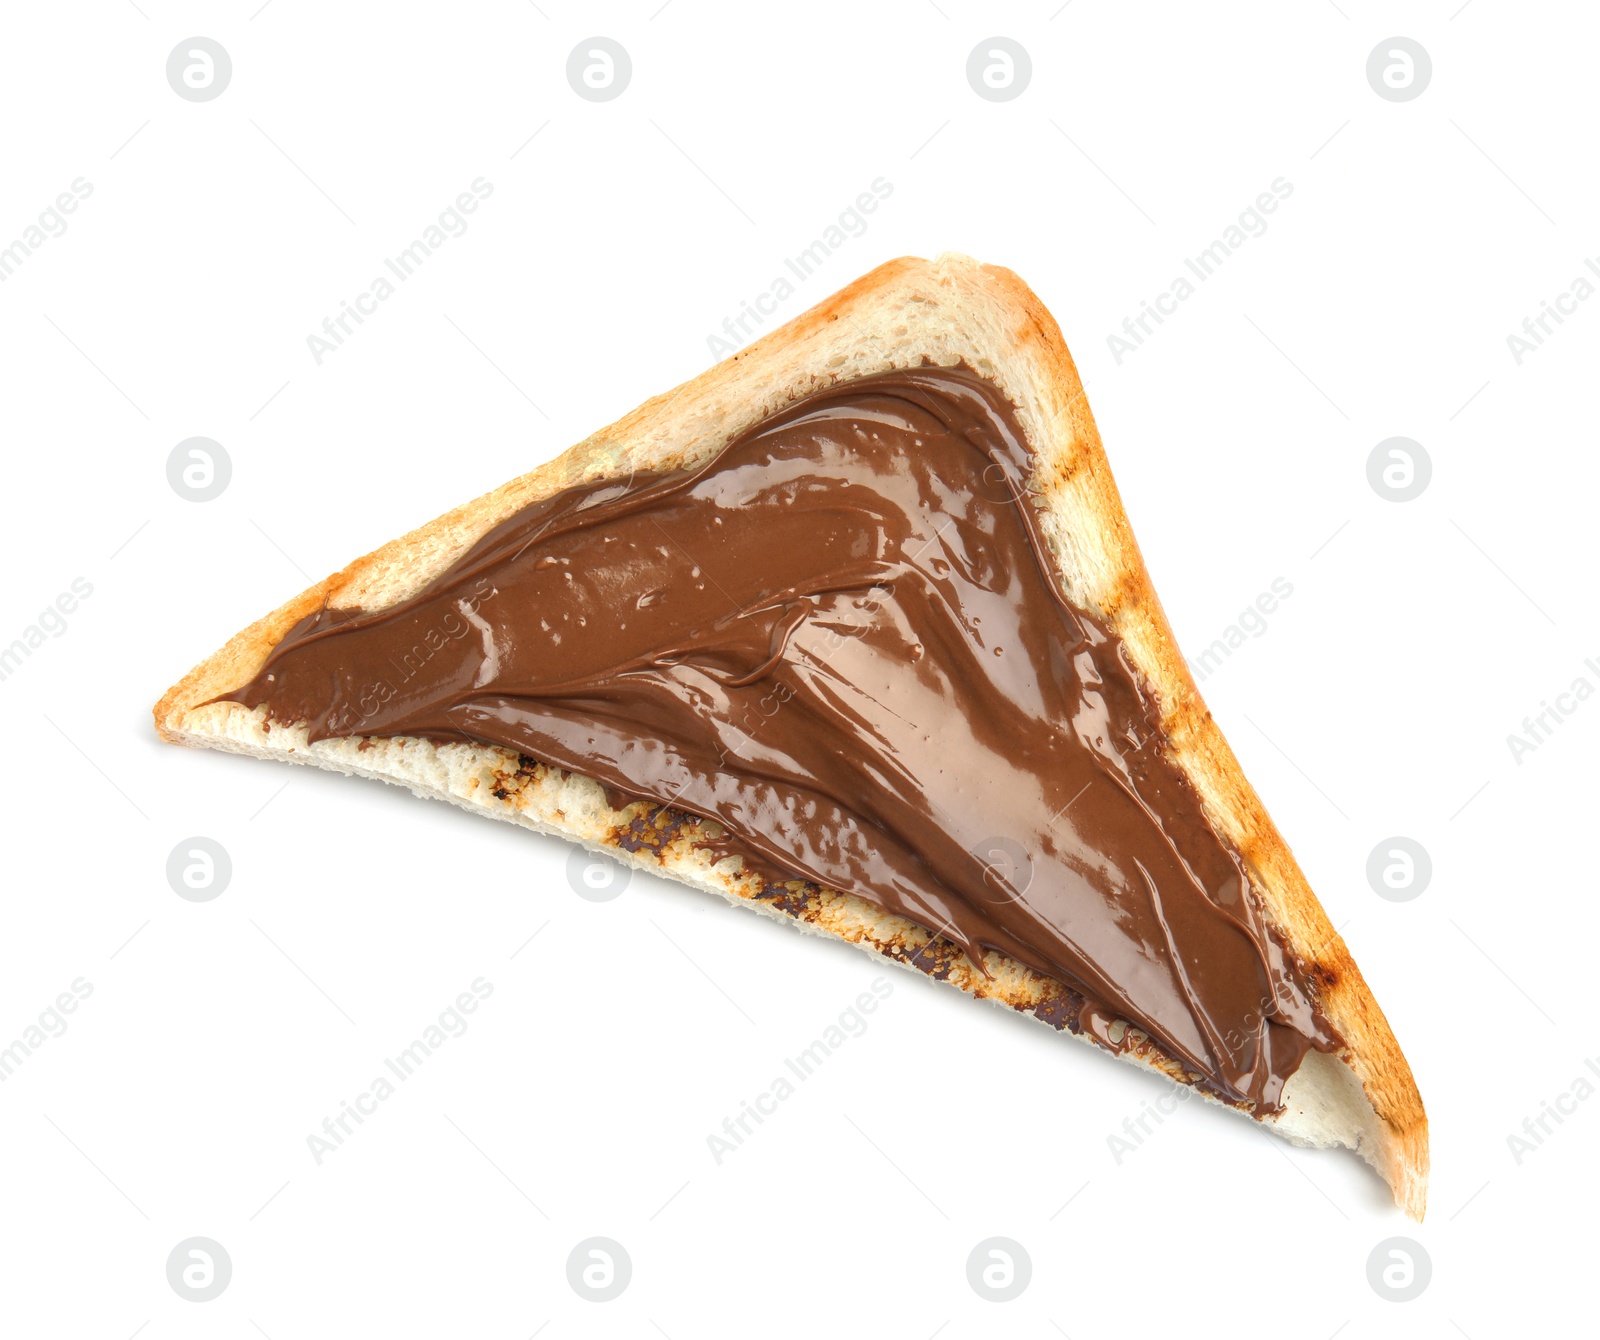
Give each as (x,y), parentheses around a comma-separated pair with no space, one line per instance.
(895,316)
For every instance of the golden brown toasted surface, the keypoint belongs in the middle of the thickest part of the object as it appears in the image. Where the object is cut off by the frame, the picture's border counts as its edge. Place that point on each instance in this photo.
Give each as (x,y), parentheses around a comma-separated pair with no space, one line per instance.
(947,310)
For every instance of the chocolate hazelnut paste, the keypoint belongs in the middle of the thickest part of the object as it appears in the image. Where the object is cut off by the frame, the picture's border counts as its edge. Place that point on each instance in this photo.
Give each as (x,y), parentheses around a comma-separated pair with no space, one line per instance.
(842,639)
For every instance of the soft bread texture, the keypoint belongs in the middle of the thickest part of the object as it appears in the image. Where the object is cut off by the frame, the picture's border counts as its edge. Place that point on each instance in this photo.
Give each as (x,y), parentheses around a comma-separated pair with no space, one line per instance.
(904,312)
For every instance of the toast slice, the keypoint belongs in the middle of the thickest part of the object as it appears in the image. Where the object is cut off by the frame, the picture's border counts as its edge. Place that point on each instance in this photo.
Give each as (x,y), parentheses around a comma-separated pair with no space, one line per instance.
(902,315)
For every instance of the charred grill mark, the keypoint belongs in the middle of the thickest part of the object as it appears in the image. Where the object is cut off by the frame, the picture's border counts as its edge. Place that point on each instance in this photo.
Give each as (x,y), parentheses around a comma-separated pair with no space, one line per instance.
(1060,1008)
(509,782)
(654,829)
(797,898)
(935,956)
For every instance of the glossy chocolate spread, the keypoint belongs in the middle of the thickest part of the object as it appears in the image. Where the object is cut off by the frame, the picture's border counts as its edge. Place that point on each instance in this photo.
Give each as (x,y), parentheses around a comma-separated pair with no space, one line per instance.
(843,639)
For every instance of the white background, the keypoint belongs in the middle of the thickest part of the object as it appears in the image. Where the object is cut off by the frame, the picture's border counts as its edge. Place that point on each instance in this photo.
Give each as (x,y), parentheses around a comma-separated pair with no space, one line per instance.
(1378,701)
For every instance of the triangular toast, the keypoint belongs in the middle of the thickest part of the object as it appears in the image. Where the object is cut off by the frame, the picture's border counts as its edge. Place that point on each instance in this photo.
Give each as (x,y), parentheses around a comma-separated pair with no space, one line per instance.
(907,314)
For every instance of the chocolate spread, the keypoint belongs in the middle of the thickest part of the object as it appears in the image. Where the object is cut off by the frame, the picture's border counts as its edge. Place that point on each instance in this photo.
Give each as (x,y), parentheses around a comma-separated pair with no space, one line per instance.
(842,638)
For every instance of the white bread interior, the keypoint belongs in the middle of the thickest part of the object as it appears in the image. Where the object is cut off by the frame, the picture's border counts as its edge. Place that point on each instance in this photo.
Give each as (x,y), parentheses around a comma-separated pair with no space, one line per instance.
(947,311)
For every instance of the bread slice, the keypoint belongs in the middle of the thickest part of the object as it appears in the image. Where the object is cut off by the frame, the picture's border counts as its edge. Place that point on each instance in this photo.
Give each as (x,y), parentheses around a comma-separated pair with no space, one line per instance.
(947,311)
